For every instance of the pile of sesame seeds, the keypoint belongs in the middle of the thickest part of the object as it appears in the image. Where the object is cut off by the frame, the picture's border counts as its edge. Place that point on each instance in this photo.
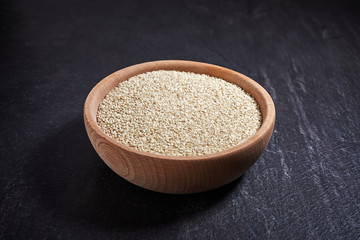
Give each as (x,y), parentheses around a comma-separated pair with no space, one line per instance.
(178,113)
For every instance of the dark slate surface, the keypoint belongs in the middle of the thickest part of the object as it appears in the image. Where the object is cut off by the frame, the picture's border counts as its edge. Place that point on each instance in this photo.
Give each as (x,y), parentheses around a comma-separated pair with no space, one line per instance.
(306,185)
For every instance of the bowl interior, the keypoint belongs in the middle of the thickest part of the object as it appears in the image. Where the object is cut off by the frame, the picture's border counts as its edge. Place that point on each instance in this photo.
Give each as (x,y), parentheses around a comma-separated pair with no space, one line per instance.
(264,100)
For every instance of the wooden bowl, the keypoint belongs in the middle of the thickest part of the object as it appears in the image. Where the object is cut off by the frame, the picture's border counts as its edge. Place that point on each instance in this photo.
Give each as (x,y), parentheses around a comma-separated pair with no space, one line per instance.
(173,174)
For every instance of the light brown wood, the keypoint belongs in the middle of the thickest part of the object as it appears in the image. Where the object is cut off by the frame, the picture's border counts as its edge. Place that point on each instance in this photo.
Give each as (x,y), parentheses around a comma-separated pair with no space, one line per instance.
(171,174)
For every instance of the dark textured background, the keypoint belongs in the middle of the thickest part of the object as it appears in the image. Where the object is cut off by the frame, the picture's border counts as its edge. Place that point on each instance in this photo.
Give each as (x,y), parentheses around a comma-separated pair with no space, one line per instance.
(306,185)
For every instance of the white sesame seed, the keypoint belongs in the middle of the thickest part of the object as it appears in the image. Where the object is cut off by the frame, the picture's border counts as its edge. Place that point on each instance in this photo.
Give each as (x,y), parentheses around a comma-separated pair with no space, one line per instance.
(178,113)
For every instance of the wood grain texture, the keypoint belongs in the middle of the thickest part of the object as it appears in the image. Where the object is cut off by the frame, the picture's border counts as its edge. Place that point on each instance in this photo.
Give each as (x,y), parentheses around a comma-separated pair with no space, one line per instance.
(170,174)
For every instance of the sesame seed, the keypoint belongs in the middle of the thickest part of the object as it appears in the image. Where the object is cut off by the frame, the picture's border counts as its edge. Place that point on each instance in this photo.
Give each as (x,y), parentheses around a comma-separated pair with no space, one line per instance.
(178,113)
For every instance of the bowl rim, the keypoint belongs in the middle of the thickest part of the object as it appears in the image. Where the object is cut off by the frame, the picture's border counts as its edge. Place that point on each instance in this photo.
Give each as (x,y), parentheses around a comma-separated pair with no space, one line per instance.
(267,124)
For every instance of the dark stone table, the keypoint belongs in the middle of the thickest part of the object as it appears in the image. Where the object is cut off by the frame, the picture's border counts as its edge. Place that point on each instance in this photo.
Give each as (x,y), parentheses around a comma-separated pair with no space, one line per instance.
(306,185)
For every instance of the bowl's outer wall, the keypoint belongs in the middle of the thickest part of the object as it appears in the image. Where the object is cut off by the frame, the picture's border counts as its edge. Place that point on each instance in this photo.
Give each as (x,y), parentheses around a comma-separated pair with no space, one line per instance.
(169,174)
